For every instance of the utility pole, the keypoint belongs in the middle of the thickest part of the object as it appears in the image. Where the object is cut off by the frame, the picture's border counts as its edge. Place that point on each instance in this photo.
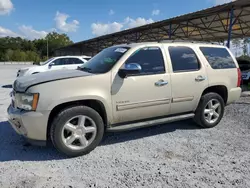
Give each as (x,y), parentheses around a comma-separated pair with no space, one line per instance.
(47,48)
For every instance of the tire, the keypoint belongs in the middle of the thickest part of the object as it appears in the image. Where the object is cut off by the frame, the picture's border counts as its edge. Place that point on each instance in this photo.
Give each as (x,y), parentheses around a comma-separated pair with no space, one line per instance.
(202,117)
(57,131)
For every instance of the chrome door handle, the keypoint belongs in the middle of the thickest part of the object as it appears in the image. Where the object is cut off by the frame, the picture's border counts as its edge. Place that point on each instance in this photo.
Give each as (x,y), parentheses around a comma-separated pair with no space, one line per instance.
(200,78)
(161,83)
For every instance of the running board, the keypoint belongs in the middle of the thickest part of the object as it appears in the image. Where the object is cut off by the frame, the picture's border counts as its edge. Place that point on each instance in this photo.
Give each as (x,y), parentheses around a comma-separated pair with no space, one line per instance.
(149,123)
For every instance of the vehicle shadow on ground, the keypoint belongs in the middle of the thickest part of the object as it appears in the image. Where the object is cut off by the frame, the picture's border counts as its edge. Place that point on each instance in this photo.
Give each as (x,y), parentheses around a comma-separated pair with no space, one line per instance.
(9,86)
(15,147)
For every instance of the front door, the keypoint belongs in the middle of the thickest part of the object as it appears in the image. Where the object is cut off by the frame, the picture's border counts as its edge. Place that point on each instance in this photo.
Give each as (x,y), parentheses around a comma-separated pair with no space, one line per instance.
(188,78)
(144,95)
(58,64)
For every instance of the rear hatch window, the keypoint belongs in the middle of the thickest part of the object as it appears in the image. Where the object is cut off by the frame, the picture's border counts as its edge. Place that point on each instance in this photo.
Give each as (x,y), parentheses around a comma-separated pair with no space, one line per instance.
(218,58)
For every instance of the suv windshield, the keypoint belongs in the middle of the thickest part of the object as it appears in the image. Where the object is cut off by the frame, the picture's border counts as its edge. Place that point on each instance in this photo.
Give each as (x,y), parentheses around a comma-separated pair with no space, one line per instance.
(104,60)
(44,63)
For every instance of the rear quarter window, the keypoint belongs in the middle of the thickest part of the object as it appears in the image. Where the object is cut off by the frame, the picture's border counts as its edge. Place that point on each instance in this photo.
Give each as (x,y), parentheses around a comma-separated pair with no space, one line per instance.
(218,58)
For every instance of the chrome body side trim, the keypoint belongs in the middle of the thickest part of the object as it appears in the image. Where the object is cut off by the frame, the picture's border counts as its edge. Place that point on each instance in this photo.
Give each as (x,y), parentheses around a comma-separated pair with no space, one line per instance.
(142,104)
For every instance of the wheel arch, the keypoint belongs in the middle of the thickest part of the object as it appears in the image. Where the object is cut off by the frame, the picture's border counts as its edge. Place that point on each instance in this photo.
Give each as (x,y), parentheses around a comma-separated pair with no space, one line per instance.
(219,89)
(92,103)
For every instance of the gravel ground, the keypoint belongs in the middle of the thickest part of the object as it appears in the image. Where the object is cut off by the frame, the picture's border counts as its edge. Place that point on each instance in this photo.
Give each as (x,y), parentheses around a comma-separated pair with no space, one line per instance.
(174,155)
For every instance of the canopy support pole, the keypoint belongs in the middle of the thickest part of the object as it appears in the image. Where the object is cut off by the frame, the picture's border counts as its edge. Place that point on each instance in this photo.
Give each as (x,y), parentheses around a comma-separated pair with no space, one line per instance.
(230,28)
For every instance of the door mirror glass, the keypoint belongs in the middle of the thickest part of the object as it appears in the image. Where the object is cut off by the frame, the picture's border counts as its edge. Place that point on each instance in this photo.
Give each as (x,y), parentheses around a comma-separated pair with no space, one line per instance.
(129,69)
(51,64)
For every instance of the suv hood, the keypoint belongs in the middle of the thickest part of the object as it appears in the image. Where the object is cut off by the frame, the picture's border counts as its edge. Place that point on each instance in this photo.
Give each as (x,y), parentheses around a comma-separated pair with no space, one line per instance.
(23,83)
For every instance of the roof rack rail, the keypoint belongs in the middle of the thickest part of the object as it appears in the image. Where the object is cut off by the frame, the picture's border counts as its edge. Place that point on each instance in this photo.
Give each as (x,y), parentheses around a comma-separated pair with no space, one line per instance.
(188,41)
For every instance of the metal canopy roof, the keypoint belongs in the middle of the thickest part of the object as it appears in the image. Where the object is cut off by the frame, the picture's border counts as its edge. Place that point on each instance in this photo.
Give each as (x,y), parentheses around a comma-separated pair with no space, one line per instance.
(212,24)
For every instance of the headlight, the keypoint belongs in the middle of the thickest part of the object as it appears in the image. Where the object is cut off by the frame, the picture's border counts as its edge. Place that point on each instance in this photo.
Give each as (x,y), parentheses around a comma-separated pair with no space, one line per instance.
(27,101)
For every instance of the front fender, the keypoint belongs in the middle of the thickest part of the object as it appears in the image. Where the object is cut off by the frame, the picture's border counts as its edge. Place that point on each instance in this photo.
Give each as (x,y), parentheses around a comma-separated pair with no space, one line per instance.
(106,105)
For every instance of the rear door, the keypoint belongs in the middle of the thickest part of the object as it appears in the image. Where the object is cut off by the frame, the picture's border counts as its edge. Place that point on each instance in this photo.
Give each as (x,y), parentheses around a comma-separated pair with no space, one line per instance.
(73,63)
(188,78)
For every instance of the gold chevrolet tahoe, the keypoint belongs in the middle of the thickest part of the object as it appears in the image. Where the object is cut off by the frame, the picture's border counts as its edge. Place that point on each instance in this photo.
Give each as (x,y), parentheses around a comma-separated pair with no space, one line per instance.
(125,87)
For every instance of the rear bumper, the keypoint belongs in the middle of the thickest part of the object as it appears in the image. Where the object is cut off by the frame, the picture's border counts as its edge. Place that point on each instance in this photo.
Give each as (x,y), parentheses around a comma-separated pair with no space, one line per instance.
(31,125)
(234,95)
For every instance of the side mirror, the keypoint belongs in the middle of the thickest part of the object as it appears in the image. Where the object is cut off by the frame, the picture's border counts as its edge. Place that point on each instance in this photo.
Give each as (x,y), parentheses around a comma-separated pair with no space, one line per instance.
(129,69)
(51,64)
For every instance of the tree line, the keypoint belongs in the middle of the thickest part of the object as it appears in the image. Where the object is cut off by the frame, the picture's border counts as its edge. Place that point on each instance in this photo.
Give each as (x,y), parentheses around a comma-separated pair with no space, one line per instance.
(19,49)
(241,47)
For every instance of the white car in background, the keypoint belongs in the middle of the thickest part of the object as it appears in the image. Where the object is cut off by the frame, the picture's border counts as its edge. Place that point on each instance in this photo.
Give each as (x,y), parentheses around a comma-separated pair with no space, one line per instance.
(55,63)
(246,76)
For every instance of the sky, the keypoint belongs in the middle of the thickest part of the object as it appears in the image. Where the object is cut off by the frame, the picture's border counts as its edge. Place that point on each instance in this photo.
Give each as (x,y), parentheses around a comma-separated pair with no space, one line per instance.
(85,19)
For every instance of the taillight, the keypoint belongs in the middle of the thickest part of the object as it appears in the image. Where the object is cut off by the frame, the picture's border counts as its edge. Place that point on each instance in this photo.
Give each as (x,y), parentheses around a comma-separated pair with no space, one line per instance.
(239,78)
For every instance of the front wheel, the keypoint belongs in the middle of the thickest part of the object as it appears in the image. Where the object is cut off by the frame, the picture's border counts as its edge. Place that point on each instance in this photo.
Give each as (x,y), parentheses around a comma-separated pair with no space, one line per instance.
(210,110)
(77,130)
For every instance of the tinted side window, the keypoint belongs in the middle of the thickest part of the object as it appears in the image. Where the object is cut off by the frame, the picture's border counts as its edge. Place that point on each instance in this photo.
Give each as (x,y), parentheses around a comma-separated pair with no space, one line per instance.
(150,59)
(74,61)
(59,61)
(67,61)
(183,59)
(218,58)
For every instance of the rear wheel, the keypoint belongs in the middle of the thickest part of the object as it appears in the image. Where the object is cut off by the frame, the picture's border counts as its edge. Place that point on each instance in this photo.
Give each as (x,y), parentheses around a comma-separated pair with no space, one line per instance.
(210,110)
(77,130)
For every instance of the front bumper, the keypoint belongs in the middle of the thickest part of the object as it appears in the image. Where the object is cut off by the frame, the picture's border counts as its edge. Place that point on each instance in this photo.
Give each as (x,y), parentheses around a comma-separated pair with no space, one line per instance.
(32,125)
